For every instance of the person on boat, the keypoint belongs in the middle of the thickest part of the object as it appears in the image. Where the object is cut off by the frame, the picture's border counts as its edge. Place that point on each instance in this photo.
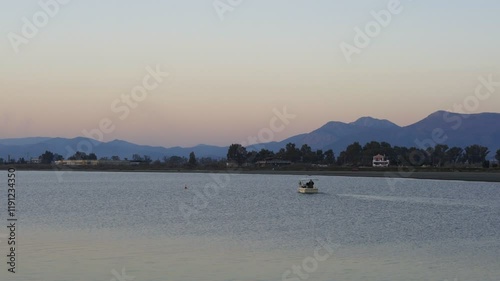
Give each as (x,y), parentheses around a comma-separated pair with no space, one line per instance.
(310,184)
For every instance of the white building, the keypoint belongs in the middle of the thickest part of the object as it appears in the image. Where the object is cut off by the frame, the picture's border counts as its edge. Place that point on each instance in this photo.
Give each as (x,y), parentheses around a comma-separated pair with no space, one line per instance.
(379,161)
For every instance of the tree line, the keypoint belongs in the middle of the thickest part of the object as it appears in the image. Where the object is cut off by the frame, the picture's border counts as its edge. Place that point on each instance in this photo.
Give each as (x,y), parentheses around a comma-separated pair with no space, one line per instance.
(192,161)
(357,155)
(438,156)
(305,154)
(354,155)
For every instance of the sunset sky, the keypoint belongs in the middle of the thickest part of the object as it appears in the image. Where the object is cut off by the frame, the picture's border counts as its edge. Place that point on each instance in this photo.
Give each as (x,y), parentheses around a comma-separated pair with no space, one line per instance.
(226,76)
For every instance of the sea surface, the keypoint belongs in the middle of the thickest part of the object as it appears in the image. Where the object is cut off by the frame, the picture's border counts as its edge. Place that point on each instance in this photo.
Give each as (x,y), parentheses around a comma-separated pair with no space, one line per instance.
(147,226)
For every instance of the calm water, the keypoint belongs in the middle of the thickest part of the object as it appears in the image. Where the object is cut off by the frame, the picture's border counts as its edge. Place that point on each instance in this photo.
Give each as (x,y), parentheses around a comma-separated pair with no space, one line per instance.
(99,226)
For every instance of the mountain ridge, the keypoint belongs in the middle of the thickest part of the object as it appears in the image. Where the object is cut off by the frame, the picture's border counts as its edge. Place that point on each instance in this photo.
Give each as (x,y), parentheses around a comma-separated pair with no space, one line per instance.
(455,130)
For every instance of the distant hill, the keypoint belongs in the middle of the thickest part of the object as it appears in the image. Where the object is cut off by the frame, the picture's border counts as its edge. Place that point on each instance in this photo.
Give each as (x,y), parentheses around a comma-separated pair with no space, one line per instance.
(460,130)
(370,122)
(23,141)
(28,148)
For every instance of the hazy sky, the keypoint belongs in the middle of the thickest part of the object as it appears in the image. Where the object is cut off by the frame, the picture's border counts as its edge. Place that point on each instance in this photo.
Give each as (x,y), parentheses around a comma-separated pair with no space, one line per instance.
(227,76)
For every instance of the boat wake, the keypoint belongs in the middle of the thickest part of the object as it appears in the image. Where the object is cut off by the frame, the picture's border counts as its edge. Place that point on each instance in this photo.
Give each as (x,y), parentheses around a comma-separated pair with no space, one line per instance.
(425,200)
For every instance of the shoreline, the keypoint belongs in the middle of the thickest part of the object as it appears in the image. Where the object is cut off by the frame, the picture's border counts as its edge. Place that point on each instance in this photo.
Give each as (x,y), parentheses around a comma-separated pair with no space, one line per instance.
(492,175)
(453,176)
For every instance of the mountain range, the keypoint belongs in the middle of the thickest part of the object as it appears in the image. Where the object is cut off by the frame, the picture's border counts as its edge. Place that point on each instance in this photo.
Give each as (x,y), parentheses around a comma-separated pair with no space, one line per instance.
(443,127)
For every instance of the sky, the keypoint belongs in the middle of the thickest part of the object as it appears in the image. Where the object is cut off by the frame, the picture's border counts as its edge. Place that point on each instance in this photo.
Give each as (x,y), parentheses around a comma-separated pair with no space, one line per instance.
(233,64)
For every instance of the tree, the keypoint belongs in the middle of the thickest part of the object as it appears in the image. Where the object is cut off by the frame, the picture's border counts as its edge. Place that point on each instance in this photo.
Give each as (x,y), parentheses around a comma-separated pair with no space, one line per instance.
(237,153)
(307,154)
(439,155)
(454,155)
(264,154)
(369,150)
(353,154)
(292,153)
(175,161)
(208,162)
(329,157)
(418,157)
(137,157)
(341,159)
(192,159)
(497,156)
(79,156)
(47,157)
(400,156)
(251,156)
(386,149)
(412,156)
(476,153)
(92,156)
(58,157)
(281,154)
(319,157)
(115,158)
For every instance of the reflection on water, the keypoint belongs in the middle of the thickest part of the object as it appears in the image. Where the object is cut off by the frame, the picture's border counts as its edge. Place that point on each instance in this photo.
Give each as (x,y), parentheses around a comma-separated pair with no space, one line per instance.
(93,226)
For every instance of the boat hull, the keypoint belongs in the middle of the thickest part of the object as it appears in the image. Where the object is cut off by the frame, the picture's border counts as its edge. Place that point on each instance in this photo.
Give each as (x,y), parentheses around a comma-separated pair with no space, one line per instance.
(308,190)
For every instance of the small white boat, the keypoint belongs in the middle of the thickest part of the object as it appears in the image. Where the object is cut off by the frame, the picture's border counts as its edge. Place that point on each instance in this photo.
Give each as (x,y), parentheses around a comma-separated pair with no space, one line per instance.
(306,186)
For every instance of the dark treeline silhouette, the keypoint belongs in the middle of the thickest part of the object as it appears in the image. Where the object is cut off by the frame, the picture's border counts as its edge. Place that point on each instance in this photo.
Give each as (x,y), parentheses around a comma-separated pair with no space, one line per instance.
(172,162)
(238,154)
(440,155)
(354,155)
